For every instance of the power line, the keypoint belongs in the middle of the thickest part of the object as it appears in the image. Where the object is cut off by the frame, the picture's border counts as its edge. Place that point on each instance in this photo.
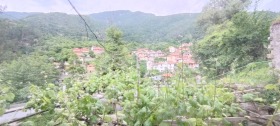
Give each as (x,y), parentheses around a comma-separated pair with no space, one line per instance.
(86,24)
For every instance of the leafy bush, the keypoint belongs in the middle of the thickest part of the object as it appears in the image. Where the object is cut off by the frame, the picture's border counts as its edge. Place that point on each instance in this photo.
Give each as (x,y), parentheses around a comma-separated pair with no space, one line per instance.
(271,93)
(253,74)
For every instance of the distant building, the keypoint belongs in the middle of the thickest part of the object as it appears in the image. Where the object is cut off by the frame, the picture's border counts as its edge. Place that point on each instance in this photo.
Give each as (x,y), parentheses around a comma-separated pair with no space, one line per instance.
(156,78)
(182,55)
(81,53)
(172,49)
(161,66)
(97,50)
(148,55)
(174,56)
(167,75)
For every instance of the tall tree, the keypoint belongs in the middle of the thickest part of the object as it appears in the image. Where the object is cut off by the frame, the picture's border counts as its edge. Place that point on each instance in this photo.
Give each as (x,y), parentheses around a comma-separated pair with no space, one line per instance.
(234,43)
(21,73)
(116,56)
(218,11)
(6,96)
(15,39)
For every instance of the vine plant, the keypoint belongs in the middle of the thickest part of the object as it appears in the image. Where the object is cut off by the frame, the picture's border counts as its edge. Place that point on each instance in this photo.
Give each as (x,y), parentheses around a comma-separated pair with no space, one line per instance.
(151,106)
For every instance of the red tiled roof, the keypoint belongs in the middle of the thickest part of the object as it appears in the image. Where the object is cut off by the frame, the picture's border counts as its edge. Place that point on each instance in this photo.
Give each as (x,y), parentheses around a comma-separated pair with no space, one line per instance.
(97,50)
(80,50)
(167,75)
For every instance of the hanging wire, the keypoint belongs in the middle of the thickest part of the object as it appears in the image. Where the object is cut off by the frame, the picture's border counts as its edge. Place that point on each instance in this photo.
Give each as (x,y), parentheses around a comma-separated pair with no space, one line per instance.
(86,24)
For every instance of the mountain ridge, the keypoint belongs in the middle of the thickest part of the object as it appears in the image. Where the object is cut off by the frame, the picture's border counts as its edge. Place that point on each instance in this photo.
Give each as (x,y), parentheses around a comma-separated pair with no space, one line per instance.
(136,26)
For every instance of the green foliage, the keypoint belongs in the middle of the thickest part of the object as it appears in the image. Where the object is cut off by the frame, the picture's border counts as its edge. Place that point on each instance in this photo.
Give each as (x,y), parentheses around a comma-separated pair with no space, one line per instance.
(91,54)
(271,94)
(188,74)
(114,35)
(58,24)
(252,74)
(276,21)
(21,73)
(235,39)
(60,49)
(6,96)
(28,123)
(137,26)
(234,43)
(16,39)
(76,69)
(248,97)
(219,11)
(143,68)
(143,27)
(142,103)
(116,56)
(73,106)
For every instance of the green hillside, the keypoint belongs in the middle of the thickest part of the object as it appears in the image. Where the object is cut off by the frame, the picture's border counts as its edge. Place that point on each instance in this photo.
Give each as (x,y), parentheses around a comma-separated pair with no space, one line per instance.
(143,27)
(137,26)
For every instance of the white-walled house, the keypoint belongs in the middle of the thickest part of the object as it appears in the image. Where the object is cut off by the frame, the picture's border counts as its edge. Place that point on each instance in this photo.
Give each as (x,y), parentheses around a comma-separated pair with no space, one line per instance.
(172,49)
(161,66)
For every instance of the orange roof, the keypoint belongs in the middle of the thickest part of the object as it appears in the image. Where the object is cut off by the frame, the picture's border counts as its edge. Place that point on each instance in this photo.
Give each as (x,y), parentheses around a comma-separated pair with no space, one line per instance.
(171,62)
(97,48)
(167,75)
(77,50)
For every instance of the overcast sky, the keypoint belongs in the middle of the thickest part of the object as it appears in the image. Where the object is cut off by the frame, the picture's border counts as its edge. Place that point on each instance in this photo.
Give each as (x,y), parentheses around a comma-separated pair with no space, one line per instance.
(157,7)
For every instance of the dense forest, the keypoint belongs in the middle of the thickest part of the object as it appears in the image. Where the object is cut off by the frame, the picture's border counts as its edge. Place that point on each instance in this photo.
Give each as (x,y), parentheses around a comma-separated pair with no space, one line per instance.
(137,26)
(71,71)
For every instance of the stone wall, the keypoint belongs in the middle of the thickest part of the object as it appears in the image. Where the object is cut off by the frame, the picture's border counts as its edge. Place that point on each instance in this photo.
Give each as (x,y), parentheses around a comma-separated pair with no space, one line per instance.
(274,45)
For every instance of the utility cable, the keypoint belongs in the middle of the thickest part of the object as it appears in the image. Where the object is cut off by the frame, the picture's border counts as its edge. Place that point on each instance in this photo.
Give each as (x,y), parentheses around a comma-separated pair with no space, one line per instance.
(95,36)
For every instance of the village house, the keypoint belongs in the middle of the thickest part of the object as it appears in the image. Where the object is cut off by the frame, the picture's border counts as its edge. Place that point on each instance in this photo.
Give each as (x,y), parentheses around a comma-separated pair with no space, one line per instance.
(161,77)
(81,53)
(185,46)
(167,75)
(155,54)
(97,50)
(161,66)
(148,55)
(174,56)
(156,78)
(182,55)
(172,49)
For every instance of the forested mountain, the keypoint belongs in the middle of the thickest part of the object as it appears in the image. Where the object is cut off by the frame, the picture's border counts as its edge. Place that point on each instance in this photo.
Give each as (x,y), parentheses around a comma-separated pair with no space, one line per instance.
(16,15)
(57,24)
(16,38)
(137,26)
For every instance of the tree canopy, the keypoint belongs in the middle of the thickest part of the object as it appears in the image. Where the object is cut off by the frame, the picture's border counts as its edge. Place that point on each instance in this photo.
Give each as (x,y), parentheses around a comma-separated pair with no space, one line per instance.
(21,73)
(234,43)
(116,56)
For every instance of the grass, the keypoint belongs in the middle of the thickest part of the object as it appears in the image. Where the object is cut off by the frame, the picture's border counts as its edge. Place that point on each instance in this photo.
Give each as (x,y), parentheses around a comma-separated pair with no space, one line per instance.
(252,74)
